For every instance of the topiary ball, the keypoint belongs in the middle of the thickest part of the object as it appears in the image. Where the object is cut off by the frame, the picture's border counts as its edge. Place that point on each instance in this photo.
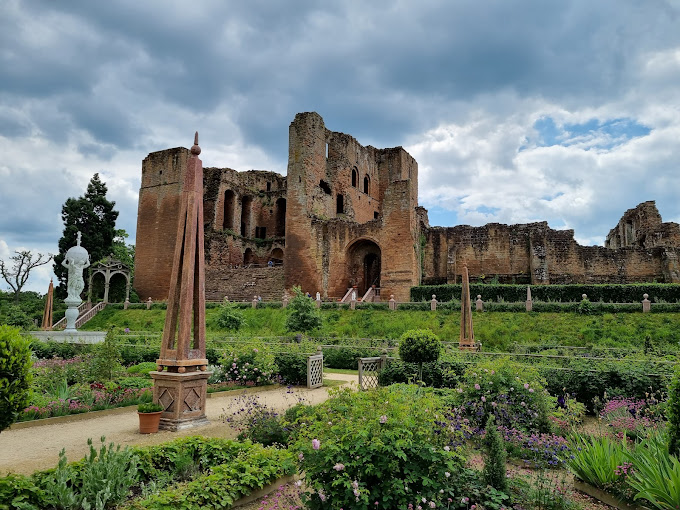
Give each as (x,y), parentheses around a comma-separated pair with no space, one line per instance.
(419,346)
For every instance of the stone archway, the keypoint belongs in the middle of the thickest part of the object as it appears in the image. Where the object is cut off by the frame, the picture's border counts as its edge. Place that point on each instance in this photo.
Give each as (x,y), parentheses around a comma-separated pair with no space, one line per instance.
(363,265)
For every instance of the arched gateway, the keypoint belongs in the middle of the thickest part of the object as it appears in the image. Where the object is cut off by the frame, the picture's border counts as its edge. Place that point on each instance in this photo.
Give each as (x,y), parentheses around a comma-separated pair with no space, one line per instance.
(363,265)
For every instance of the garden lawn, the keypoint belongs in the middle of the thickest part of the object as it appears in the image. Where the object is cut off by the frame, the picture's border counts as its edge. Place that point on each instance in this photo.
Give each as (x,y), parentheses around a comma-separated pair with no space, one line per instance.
(496,330)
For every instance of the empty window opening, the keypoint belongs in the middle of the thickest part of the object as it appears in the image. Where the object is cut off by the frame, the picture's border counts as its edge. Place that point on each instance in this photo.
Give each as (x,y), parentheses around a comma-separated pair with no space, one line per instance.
(325,187)
(280,217)
(246,216)
(261,232)
(355,177)
(228,215)
(269,186)
(326,150)
(248,257)
(340,205)
(367,183)
(375,215)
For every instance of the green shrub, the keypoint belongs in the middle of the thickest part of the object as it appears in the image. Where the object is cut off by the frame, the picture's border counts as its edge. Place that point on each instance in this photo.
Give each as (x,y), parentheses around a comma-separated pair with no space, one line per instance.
(134,382)
(21,492)
(106,363)
(303,316)
(494,463)
(102,480)
(419,346)
(249,365)
(347,357)
(15,375)
(512,392)
(291,367)
(615,293)
(384,445)
(673,415)
(142,368)
(252,469)
(229,317)
(441,374)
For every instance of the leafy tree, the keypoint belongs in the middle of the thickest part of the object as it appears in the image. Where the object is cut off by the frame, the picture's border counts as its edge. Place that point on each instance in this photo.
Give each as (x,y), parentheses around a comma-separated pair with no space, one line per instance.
(419,346)
(304,316)
(22,265)
(15,376)
(93,215)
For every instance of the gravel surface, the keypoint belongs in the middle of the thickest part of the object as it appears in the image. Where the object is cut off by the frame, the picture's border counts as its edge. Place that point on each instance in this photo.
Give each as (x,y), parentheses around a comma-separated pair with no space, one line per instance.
(25,450)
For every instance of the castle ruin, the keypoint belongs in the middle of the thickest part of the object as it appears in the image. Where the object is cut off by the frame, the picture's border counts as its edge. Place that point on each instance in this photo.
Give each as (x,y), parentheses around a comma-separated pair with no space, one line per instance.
(346,216)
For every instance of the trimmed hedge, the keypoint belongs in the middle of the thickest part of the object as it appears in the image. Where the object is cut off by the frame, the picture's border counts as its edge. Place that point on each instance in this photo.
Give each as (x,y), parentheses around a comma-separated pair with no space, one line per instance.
(611,293)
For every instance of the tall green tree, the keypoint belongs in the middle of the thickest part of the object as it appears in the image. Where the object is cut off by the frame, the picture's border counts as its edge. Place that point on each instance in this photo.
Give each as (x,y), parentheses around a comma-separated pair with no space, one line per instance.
(94,216)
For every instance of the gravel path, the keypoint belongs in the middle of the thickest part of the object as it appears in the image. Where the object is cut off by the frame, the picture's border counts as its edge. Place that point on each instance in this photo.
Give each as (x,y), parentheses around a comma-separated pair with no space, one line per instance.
(25,450)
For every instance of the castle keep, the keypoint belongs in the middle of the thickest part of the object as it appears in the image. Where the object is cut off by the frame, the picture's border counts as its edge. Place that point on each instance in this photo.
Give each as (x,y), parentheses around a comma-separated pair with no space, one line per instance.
(347,216)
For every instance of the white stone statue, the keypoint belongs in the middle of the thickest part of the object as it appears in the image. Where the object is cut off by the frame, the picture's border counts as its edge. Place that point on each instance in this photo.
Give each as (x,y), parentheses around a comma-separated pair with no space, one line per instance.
(75,261)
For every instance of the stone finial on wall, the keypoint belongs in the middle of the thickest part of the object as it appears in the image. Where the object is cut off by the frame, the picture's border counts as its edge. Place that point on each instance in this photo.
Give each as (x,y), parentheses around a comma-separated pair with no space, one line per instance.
(392,302)
(479,304)
(433,303)
(646,304)
(149,302)
(529,303)
(254,301)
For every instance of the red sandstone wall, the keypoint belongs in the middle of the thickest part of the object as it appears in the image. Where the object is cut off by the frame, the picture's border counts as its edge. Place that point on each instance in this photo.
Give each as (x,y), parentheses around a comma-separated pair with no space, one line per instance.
(157,218)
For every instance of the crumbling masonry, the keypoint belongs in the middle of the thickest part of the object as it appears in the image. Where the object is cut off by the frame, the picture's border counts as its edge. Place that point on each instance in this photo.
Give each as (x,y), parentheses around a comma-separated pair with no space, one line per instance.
(347,216)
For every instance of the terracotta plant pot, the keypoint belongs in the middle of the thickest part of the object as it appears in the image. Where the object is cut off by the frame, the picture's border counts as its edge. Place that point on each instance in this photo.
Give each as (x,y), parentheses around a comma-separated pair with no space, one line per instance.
(148,422)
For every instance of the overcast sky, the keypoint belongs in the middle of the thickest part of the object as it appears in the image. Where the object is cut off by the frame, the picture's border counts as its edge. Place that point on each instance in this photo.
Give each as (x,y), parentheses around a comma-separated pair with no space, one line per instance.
(515,111)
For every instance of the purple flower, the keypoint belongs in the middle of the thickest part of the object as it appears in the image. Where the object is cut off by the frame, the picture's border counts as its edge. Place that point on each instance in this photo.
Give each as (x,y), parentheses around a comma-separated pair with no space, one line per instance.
(477,386)
(339,466)
(316,444)
(383,419)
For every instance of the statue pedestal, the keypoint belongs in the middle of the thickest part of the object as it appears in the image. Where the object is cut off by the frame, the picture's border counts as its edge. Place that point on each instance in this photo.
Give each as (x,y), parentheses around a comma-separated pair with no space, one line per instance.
(182,396)
(72,314)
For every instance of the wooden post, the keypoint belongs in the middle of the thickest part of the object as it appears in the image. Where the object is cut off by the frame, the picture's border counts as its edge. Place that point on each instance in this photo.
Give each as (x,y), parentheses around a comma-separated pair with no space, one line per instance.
(467,335)
(49,303)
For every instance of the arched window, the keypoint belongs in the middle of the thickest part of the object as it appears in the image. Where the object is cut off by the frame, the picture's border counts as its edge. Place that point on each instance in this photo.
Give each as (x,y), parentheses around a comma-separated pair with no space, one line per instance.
(355,177)
(367,183)
(228,212)
(340,204)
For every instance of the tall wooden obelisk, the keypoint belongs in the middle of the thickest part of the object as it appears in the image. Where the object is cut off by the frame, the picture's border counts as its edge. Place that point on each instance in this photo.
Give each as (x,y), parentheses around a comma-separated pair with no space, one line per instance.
(467,334)
(180,384)
(49,303)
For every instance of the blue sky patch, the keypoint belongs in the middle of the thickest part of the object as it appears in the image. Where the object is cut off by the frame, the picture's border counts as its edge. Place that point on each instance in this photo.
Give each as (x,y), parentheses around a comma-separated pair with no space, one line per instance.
(594,133)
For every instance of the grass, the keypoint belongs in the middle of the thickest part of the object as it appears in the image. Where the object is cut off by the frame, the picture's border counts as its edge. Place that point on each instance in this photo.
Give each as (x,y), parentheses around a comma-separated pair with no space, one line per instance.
(496,330)
(330,383)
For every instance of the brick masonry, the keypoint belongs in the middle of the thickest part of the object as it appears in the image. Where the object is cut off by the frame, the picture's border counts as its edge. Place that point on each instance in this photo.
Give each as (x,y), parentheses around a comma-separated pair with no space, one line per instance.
(348,215)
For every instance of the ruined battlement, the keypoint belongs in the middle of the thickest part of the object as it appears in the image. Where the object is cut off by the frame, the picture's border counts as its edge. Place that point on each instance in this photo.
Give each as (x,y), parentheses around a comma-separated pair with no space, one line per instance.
(348,215)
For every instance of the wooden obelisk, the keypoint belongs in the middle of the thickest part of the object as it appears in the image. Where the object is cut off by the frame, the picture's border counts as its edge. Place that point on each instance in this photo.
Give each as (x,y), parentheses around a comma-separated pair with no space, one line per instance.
(49,303)
(467,334)
(180,384)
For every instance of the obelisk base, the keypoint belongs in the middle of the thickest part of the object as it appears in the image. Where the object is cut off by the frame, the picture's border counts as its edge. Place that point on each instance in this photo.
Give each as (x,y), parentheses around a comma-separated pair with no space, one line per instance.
(183,397)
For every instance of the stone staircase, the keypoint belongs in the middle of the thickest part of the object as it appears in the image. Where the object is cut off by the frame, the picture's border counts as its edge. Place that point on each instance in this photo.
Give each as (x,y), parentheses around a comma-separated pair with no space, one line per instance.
(85,314)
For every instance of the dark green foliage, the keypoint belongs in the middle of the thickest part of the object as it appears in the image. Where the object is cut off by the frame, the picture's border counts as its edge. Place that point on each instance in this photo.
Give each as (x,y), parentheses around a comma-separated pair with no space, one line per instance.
(15,376)
(142,368)
(15,316)
(255,467)
(107,357)
(494,463)
(229,317)
(441,374)
(292,367)
(673,415)
(149,407)
(347,357)
(303,316)
(101,480)
(615,293)
(585,307)
(20,492)
(587,381)
(419,346)
(93,215)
